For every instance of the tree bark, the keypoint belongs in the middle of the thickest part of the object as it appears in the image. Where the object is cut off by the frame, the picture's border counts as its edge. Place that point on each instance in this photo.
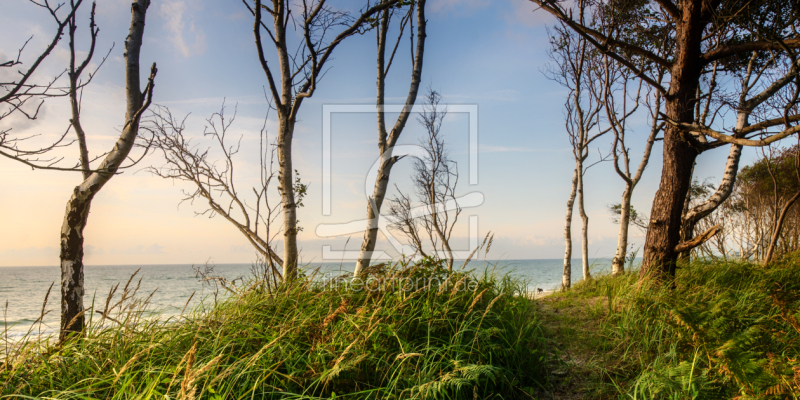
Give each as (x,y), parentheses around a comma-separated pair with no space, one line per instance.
(618,262)
(663,235)
(77,210)
(72,278)
(584,228)
(724,190)
(387,142)
(286,189)
(566,278)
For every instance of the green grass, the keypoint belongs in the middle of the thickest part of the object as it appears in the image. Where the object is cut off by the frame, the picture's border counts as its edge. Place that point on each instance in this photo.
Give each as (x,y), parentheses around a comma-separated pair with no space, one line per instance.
(726,330)
(449,336)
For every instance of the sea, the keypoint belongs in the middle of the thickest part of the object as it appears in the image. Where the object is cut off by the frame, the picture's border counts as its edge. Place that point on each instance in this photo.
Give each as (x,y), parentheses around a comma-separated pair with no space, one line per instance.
(177,286)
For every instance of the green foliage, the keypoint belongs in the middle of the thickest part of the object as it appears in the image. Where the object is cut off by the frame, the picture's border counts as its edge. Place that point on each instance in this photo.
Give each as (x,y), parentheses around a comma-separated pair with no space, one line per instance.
(756,179)
(725,330)
(405,331)
(300,192)
(635,217)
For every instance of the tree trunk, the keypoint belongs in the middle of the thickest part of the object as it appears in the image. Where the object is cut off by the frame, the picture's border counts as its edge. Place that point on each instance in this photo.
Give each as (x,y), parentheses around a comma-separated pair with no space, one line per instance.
(386,142)
(449,252)
(692,216)
(584,229)
(72,288)
(663,234)
(778,227)
(566,279)
(373,212)
(77,211)
(618,263)
(286,189)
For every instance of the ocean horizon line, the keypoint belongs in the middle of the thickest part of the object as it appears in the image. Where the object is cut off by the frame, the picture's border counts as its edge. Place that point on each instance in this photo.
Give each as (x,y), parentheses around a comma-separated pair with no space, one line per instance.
(308,263)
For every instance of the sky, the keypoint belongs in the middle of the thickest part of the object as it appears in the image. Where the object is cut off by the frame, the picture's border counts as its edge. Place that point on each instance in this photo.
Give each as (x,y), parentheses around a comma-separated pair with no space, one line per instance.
(485,58)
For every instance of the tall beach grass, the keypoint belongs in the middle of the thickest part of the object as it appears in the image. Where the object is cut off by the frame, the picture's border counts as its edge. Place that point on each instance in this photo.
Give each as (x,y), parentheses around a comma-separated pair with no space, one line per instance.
(405,331)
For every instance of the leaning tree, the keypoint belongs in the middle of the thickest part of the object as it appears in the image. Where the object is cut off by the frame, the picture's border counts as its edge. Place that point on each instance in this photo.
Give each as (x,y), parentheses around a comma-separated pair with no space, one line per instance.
(76,215)
(388,139)
(699,34)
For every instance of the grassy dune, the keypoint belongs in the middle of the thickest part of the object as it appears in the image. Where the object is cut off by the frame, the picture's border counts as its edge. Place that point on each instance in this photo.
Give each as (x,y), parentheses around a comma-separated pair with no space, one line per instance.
(726,330)
(406,332)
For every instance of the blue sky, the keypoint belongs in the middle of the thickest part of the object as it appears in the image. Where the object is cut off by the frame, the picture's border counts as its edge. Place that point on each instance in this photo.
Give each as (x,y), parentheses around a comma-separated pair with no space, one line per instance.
(489,54)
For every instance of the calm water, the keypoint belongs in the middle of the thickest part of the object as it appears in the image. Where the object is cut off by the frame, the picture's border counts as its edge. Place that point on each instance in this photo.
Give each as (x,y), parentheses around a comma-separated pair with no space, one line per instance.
(24,288)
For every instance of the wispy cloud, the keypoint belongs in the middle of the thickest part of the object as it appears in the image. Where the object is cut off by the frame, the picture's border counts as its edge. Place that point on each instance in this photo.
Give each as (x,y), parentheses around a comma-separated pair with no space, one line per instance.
(176,17)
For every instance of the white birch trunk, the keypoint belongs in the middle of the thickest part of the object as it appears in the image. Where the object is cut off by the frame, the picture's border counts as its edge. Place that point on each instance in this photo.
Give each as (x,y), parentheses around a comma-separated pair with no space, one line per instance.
(618,263)
(386,142)
(286,189)
(584,229)
(566,278)
(77,210)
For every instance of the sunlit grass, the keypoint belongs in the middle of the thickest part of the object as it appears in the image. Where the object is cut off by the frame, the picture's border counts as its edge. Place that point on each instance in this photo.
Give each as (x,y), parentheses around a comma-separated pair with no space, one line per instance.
(444,335)
(726,330)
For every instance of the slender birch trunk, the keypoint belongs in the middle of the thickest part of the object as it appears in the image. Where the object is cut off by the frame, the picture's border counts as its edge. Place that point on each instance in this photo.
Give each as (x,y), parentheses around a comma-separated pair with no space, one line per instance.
(386,142)
(286,189)
(584,229)
(77,210)
(618,262)
(576,67)
(566,278)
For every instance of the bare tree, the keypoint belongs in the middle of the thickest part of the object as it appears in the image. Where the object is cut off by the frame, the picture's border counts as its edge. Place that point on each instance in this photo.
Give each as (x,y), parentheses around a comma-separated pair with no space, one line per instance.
(699,33)
(403,218)
(299,72)
(23,94)
(758,220)
(781,204)
(616,84)
(77,211)
(434,179)
(214,182)
(386,140)
(575,66)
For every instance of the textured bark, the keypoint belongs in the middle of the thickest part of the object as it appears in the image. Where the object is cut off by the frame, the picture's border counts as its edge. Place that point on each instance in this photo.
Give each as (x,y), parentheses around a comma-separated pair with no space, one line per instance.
(663,234)
(286,189)
(386,142)
(693,215)
(584,229)
(77,210)
(698,240)
(618,262)
(566,278)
